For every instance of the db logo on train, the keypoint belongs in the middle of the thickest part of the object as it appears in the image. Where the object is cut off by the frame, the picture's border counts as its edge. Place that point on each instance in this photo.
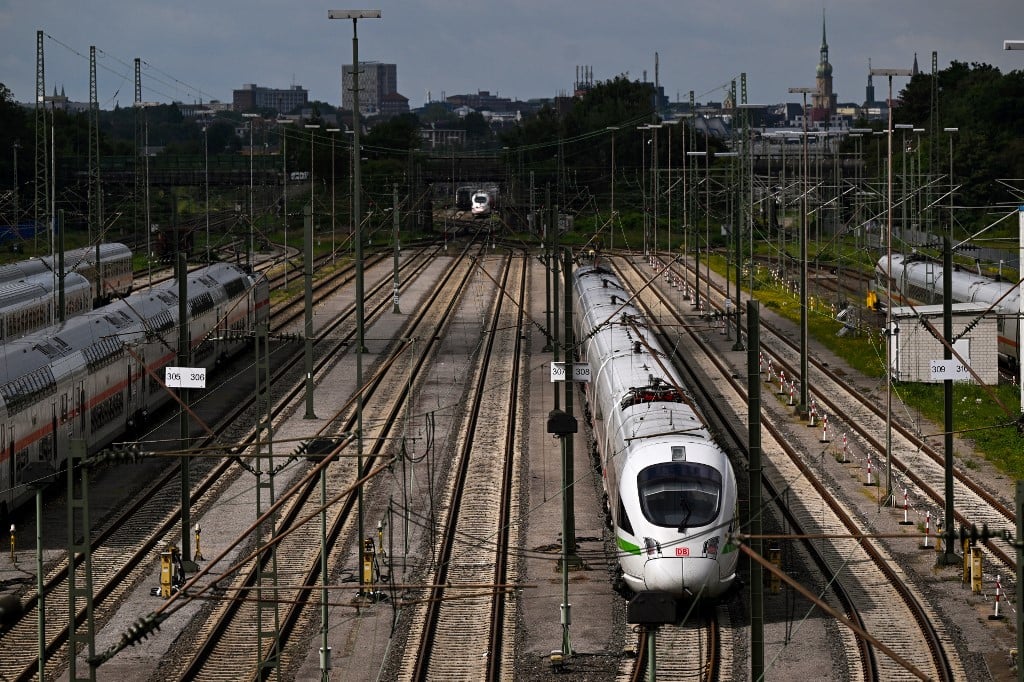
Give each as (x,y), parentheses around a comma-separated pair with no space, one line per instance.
(682,551)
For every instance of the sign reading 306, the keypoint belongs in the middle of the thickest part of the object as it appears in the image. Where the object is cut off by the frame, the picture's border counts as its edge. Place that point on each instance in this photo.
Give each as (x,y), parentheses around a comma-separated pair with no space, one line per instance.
(185,377)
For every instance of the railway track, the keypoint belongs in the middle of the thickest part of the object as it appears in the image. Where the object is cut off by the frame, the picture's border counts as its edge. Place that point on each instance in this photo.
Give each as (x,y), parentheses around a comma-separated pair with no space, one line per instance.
(691,650)
(224,647)
(866,571)
(125,545)
(917,465)
(458,637)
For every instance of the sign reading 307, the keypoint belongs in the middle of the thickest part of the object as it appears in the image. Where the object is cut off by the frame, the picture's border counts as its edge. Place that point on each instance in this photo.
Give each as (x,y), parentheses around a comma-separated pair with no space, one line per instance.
(580,371)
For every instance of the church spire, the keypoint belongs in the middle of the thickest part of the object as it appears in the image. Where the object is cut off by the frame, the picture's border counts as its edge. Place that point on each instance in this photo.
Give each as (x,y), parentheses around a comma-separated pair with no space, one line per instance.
(823,101)
(824,42)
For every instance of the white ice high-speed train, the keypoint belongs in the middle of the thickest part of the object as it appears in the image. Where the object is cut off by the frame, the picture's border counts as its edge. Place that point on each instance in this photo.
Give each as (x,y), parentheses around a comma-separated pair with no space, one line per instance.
(86,378)
(918,279)
(671,489)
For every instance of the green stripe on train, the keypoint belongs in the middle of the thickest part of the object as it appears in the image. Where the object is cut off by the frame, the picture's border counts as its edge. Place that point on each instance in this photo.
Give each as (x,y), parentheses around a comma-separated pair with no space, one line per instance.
(627,546)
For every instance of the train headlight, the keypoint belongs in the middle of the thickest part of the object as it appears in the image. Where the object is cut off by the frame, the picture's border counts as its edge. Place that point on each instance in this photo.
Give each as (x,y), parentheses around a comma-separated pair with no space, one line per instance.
(652,546)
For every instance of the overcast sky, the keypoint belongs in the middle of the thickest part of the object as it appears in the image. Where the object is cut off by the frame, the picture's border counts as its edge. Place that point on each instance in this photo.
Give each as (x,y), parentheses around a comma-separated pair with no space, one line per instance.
(201,50)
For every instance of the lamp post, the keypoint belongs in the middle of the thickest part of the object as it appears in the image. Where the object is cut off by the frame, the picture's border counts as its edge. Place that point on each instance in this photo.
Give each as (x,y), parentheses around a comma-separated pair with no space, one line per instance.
(917,181)
(802,407)
(284,181)
(611,224)
(1019,45)
(643,179)
(748,149)
(668,181)
(889,73)
(949,132)
(696,243)
(332,131)
(858,135)
(738,255)
(355,16)
(206,158)
(251,255)
(451,139)
(903,128)
(312,206)
(149,223)
(655,183)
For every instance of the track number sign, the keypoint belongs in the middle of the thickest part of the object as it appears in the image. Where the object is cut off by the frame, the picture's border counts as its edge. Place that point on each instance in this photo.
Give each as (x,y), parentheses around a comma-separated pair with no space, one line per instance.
(948,370)
(185,377)
(580,371)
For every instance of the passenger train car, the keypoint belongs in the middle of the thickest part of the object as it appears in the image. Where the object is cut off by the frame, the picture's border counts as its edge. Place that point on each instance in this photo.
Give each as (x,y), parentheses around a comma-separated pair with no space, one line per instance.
(918,279)
(30,304)
(86,378)
(110,276)
(671,489)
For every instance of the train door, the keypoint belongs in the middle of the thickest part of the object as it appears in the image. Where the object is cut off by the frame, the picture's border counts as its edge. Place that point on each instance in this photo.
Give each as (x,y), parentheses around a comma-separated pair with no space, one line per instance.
(80,409)
(48,443)
(134,399)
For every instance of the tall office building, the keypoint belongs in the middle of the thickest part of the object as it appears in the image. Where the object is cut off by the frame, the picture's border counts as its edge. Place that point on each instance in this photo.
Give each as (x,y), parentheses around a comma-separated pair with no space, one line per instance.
(251,97)
(376,81)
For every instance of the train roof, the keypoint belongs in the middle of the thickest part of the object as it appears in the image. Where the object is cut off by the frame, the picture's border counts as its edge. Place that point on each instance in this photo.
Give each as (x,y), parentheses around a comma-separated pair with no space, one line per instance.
(73,258)
(968,285)
(87,254)
(90,337)
(12,272)
(38,286)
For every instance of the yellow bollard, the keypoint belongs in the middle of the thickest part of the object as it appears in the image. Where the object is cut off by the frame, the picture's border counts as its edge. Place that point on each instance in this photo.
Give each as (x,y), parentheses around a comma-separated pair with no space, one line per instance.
(14,559)
(967,561)
(166,571)
(368,564)
(976,570)
(198,556)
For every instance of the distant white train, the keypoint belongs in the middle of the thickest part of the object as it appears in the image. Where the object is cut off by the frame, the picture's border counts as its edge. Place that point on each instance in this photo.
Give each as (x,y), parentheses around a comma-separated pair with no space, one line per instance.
(671,489)
(918,280)
(483,203)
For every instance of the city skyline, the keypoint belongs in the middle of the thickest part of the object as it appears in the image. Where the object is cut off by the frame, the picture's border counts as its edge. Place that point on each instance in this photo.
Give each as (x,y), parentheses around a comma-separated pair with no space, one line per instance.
(197,52)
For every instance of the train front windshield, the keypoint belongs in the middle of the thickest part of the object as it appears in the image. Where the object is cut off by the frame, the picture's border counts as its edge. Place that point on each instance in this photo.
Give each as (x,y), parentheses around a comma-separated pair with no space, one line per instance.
(680,494)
